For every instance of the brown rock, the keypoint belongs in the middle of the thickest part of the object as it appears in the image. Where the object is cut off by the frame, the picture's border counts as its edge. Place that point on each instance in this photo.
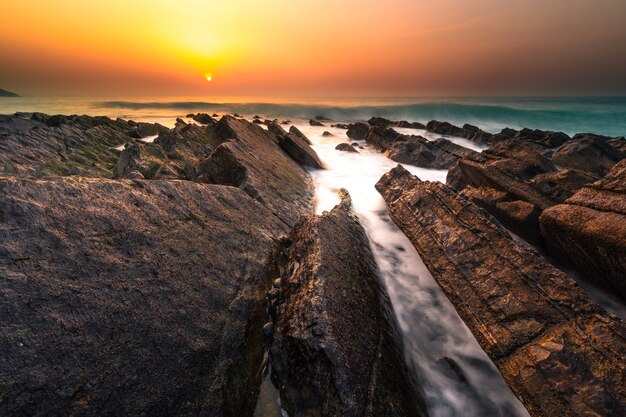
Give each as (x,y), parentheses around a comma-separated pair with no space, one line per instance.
(560,353)
(346,147)
(589,154)
(589,230)
(298,133)
(300,151)
(313,122)
(358,131)
(336,350)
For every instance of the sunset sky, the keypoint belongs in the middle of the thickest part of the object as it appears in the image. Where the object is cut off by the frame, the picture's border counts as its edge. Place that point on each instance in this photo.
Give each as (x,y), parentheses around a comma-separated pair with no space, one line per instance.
(313,48)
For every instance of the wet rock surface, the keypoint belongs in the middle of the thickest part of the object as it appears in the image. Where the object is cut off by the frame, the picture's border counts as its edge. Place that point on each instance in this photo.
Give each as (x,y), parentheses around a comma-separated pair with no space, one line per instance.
(132,297)
(560,353)
(589,230)
(336,350)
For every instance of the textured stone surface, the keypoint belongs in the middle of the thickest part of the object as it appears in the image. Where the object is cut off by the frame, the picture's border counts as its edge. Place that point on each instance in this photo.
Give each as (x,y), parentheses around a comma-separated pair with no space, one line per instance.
(560,353)
(589,230)
(336,351)
(590,154)
(131,297)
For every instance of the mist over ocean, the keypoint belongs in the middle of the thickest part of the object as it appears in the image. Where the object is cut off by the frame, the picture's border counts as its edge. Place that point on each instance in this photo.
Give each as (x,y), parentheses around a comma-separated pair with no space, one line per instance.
(600,115)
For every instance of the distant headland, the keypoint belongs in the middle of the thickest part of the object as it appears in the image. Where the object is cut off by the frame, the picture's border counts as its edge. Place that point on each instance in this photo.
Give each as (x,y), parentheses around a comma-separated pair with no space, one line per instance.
(5,93)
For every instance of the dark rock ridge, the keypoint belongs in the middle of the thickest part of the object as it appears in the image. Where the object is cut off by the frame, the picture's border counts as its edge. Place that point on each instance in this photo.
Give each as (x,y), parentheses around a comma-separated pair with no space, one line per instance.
(358,131)
(336,350)
(379,121)
(298,133)
(560,353)
(588,153)
(5,93)
(346,147)
(132,297)
(468,131)
(203,118)
(589,230)
(416,150)
(314,122)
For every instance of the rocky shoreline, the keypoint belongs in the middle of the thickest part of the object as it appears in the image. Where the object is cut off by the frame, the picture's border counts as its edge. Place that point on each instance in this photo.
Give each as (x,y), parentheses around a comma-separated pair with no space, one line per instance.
(157,271)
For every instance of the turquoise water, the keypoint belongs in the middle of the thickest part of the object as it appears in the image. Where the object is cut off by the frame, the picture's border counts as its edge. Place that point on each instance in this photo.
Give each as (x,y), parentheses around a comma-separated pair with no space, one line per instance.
(602,115)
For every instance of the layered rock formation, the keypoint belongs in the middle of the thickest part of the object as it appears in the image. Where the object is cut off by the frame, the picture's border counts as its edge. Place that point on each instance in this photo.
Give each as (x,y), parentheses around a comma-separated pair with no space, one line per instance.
(589,230)
(515,183)
(588,153)
(560,353)
(335,350)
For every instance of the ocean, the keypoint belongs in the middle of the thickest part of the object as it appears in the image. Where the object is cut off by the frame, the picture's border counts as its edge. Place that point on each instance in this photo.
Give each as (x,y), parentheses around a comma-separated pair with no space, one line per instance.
(601,115)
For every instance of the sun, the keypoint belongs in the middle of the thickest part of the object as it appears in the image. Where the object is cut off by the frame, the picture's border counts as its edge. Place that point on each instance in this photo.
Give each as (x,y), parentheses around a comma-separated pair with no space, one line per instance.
(209,77)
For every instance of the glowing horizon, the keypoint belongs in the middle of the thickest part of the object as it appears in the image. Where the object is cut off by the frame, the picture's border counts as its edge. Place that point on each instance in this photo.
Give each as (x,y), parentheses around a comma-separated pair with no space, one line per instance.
(279,48)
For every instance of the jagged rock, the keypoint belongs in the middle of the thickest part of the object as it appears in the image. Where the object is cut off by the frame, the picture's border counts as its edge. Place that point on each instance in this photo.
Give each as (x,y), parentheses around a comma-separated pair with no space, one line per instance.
(249,158)
(150,129)
(346,147)
(560,353)
(293,129)
(379,121)
(336,350)
(562,184)
(278,130)
(589,230)
(35,144)
(340,126)
(5,93)
(415,150)
(358,131)
(120,296)
(300,151)
(313,122)
(590,154)
(618,142)
(204,119)
(326,133)
(470,132)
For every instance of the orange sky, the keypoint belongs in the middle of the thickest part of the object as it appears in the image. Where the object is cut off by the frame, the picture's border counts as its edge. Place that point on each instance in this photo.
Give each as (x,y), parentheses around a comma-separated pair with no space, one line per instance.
(323,48)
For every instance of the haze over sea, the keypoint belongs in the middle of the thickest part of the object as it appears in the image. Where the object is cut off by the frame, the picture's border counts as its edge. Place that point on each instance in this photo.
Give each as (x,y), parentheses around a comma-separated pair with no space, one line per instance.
(600,115)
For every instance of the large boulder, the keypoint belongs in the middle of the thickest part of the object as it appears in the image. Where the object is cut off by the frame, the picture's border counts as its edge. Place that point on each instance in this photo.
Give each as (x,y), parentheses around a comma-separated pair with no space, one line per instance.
(132,297)
(589,154)
(589,230)
(336,350)
(561,354)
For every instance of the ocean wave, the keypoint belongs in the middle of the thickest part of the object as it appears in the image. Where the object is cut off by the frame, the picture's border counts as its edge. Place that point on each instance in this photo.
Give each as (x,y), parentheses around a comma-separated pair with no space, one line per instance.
(570,115)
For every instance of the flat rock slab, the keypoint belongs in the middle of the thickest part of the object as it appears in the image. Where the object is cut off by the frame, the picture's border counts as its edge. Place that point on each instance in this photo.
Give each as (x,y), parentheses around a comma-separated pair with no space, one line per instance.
(589,230)
(336,350)
(560,353)
(131,297)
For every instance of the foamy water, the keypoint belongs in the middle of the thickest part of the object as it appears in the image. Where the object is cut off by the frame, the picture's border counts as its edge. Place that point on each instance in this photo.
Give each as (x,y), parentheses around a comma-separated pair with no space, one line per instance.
(433,332)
